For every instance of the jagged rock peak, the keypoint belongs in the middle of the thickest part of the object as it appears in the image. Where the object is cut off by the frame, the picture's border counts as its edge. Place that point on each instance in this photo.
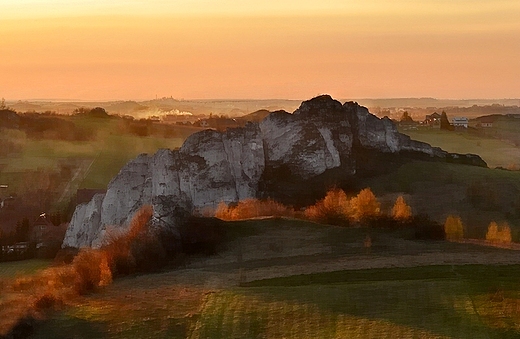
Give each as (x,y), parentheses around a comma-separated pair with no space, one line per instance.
(320,107)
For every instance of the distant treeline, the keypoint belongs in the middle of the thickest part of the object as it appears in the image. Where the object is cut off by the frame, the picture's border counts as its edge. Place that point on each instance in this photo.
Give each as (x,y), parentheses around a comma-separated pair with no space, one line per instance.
(483,110)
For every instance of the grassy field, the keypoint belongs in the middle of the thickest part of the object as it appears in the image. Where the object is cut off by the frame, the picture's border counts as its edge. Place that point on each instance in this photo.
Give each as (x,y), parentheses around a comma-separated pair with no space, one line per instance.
(108,152)
(92,163)
(12,269)
(305,280)
(108,160)
(474,301)
(494,152)
(425,302)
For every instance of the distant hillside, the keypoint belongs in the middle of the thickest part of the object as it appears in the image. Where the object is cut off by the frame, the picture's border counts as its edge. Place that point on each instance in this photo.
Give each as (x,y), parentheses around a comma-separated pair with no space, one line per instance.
(256,116)
(433,103)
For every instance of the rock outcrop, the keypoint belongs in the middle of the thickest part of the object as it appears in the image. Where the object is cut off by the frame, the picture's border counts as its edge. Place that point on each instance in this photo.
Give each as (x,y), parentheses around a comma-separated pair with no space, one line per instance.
(322,135)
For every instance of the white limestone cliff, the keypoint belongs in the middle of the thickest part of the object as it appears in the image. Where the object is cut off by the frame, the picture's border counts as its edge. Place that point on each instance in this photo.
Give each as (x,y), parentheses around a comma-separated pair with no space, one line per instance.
(213,166)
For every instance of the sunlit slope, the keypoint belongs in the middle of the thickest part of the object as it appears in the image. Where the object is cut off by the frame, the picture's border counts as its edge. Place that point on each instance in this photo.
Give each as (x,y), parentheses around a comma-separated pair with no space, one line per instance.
(494,152)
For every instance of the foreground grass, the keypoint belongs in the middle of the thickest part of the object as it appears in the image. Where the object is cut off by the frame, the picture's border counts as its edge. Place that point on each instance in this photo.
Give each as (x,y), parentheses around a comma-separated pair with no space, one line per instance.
(431,302)
(11,269)
(148,306)
(205,299)
(473,301)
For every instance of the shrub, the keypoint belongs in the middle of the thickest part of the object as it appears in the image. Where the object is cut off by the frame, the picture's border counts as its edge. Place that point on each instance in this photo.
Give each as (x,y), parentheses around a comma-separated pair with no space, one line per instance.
(88,267)
(253,208)
(498,234)
(47,301)
(453,228)
(365,206)
(401,211)
(224,211)
(334,209)
(386,222)
(120,247)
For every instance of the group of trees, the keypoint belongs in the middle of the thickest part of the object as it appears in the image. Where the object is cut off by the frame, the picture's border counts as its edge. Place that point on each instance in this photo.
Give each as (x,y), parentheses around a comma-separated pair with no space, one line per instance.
(496,234)
(337,208)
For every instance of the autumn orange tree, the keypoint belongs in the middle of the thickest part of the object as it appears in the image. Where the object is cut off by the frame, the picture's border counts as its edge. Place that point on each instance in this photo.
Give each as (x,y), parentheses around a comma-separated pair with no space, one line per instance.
(333,209)
(401,211)
(365,206)
(454,228)
(499,234)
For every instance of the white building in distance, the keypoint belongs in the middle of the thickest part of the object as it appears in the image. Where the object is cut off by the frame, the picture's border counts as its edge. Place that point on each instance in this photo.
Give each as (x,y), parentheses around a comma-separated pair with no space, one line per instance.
(460,122)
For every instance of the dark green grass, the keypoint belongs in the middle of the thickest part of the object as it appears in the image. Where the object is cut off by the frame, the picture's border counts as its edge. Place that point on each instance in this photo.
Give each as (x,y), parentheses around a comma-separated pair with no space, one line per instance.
(425,302)
(487,274)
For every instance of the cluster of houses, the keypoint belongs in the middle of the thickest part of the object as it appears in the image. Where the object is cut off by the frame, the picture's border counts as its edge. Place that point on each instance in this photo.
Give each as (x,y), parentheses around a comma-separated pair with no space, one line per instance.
(434,121)
(43,234)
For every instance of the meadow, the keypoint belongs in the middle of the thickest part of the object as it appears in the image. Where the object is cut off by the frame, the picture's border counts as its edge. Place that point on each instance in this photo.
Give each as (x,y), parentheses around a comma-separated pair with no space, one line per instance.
(284,278)
(18,268)
(495,152)
(63,166)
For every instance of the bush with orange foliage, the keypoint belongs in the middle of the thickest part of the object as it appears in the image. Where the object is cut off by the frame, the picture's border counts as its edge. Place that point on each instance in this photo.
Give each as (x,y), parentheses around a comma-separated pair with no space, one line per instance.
(499,234)
(334,209)
(91,270)
(253,208)
(137,249)
(454,228)
(401,211)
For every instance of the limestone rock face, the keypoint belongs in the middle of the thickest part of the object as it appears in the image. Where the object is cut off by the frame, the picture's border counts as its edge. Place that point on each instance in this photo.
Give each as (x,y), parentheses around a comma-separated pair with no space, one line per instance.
(210,167)
(85,223)
(213,166)
(315,138)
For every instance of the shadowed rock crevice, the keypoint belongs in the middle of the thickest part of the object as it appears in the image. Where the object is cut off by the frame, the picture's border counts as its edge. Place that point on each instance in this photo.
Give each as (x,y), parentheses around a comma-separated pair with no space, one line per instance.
(292,158)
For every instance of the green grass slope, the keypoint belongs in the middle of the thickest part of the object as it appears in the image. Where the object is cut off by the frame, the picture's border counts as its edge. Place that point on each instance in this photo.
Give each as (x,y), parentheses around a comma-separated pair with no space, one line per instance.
(495,152)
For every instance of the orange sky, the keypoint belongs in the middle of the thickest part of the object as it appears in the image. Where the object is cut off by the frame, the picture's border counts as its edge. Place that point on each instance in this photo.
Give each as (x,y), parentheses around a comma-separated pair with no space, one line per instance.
(86,49)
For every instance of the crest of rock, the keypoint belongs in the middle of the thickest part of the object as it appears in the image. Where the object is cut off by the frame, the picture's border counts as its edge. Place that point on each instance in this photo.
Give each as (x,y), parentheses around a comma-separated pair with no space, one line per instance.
(281,155)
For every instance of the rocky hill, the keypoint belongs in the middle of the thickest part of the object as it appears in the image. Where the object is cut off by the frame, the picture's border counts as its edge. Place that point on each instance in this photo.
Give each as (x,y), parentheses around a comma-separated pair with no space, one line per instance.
(290,157)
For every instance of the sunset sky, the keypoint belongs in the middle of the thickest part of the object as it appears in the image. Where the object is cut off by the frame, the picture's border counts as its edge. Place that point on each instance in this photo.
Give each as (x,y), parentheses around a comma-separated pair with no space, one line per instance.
(245,49)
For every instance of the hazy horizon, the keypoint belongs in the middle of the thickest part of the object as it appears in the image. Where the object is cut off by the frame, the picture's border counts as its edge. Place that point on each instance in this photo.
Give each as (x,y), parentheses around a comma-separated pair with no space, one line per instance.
(88,50)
